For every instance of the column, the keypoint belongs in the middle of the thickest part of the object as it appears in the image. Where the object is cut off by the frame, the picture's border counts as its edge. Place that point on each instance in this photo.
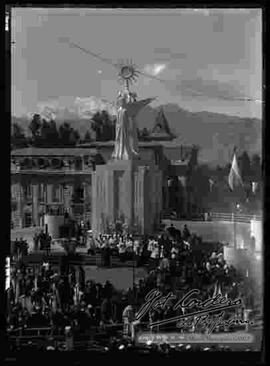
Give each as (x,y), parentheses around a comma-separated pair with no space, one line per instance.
(94,217)
(88,198)
(49,193)
(35,200)
(183,182)
(165,194)
(20,204)
(110,195)
(18,214)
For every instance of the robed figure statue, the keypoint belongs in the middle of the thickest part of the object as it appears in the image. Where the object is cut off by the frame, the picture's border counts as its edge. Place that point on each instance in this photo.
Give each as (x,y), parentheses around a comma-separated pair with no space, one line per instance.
(126,137)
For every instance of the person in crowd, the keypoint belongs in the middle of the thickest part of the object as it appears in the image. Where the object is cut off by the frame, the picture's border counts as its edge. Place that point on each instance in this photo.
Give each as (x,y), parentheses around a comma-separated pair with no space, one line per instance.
(81,278)
(36,242)
(171,230)
(128,317)
(108,290)
(107,311)
(122,250)
(107,255)
(186,233)
(164,265)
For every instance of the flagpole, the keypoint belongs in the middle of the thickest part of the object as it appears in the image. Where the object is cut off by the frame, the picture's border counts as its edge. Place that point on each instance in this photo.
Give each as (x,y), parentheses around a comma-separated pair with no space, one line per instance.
(234,171)
(234,228)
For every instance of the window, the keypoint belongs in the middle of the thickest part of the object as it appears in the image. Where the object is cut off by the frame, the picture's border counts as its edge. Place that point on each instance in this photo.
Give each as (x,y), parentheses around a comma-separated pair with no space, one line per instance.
(27,191)
(157,157)
(78,195)
(41,193)
(56,193)
(28,219)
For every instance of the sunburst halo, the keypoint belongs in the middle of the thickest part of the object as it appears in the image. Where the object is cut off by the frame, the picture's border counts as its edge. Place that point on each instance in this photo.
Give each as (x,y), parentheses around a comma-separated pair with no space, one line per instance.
(127,71)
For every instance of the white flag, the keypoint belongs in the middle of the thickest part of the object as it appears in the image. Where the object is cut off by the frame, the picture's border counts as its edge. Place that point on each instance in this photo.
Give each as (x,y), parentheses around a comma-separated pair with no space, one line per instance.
(211,184)
(254,186)
(235,176)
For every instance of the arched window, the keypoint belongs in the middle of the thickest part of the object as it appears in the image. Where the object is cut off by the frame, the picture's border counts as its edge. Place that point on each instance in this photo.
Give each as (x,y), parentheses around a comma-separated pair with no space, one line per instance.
(27,163)
(41,163)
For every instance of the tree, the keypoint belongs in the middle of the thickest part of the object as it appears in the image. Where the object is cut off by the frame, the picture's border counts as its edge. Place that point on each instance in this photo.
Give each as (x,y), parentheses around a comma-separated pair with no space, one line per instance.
(103,125)
(74,137)
(96,124)
(35,126)
(43,139)
(64,132)
(52,134)
(87,136)
(244,165)
(18,138)
(256,167)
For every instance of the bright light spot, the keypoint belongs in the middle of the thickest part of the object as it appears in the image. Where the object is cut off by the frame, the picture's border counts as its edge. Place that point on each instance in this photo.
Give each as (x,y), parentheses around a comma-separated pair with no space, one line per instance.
(258,256)
(154,69)
(7,273)
(99,71)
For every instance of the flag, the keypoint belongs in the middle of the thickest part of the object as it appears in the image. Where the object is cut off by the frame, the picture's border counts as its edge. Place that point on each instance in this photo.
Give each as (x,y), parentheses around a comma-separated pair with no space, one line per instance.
(254,187)
(235,178)
(211,184)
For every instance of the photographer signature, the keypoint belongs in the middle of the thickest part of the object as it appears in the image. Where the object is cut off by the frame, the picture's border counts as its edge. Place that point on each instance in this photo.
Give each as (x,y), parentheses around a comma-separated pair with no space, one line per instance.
(218,303)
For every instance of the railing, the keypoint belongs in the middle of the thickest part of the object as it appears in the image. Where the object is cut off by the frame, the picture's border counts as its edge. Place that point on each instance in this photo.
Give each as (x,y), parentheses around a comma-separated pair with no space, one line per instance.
(31,332)
(217,216)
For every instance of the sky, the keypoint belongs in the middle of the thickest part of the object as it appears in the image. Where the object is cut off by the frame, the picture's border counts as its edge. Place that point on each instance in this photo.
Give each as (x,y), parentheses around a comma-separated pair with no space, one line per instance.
(207,58)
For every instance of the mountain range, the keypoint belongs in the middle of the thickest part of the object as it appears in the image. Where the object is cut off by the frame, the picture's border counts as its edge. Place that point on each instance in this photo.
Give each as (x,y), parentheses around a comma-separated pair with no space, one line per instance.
(216,134)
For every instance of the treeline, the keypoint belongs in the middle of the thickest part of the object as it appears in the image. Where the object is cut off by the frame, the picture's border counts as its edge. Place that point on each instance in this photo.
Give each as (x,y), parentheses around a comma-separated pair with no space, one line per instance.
(48,134)
(250,167)
(214,194)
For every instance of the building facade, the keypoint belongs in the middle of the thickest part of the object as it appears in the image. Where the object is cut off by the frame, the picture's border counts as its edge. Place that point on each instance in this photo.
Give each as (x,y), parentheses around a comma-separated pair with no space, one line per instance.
(54,181)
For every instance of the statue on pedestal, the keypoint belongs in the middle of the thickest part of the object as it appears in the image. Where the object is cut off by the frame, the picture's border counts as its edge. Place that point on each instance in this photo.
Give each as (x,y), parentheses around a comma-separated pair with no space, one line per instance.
(126,137)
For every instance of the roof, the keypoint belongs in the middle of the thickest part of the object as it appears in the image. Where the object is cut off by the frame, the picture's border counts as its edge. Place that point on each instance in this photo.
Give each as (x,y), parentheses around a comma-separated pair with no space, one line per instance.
(160,136)
(161,129)
(53,151)
(111,144)
(179,162)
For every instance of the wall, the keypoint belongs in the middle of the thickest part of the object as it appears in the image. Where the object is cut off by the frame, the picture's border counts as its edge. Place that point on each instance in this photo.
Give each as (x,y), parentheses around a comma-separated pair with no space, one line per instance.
(121,278)
(222,231)
(54,223)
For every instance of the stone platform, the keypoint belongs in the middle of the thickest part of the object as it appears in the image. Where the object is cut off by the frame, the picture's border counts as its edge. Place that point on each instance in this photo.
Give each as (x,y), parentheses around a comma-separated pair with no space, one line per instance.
(129,190)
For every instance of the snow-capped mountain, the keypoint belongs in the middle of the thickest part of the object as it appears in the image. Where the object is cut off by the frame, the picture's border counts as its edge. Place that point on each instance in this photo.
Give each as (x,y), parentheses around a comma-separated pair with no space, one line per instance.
(82,108)
(90,105)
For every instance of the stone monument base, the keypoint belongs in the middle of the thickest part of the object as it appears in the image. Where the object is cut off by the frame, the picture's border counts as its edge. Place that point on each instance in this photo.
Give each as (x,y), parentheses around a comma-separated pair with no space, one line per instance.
(129,191)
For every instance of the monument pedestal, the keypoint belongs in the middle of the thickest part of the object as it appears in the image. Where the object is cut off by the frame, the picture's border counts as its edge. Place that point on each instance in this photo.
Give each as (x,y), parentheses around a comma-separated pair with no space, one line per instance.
(126,190)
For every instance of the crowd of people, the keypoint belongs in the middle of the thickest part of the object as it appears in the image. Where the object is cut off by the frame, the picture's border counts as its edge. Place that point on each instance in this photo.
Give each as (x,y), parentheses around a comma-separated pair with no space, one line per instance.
(62,297)
(165,249)
(42,241)
(19,248)
(43,297)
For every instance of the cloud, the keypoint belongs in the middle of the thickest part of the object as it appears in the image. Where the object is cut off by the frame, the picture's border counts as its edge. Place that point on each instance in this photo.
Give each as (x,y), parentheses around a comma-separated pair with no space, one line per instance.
(154,69)
(89,105)
(210,89)
(166,53)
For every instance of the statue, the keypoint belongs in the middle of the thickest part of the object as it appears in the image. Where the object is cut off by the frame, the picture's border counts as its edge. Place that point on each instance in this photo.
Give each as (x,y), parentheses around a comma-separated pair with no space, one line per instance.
(126,138)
